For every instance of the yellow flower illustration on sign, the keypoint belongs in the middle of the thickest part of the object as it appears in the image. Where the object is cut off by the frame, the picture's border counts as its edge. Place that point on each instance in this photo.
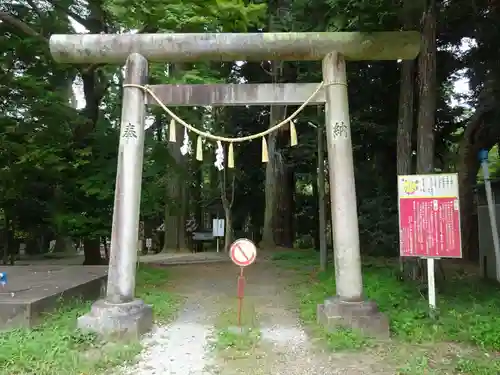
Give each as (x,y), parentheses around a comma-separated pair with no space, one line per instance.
(410,186)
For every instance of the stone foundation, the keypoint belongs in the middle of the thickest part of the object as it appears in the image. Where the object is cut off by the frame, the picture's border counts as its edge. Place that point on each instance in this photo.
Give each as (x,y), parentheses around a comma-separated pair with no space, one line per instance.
(120,321)
(363,316)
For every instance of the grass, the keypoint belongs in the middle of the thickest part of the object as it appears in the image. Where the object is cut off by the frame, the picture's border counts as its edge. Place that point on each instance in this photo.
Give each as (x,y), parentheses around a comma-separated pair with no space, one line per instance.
(468,316)
(56,347)
(234,342)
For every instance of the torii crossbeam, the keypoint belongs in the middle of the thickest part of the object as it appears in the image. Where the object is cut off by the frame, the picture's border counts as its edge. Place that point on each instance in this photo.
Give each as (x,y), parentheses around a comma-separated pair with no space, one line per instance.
(121,312)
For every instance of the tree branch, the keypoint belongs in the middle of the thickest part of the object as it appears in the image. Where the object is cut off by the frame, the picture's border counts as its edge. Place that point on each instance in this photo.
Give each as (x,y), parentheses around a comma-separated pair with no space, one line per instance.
(89,24)
(232,190)
(147,29)
(35,9)
(21,26)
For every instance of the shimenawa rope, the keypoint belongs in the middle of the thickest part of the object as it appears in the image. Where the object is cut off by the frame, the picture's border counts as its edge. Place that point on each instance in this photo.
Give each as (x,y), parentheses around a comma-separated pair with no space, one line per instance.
(199,152)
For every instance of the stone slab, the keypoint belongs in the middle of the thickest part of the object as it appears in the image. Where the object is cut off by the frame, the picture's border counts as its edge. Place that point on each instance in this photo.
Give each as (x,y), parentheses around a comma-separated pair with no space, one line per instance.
(363,316)
(118,320)
(160,258)
(170,259)
(37,289)
(239,330)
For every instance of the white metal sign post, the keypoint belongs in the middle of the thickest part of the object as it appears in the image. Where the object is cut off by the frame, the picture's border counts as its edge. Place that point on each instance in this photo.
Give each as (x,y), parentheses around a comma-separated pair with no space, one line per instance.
(218,230)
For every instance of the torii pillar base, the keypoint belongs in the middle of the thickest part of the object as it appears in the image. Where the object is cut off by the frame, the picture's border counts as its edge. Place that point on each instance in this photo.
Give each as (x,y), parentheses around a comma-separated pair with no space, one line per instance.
(362,316)
(120,321)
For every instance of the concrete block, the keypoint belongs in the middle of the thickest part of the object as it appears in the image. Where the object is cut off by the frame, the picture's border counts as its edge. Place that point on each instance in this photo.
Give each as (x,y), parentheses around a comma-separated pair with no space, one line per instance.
(127,320)
(363,316)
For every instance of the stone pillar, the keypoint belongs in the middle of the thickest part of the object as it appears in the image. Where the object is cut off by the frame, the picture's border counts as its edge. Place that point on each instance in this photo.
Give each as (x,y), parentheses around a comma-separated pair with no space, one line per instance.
(120,313)
(348,307)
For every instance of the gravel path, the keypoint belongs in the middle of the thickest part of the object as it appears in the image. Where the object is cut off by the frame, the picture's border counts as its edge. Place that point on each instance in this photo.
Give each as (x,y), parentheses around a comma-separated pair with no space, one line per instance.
(183,347)
(179,348)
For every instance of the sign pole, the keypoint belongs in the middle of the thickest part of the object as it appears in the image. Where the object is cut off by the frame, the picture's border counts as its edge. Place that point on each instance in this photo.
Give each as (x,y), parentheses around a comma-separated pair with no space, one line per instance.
(241,294)
(218,226)
(243,253)
(431,286)
(483,158)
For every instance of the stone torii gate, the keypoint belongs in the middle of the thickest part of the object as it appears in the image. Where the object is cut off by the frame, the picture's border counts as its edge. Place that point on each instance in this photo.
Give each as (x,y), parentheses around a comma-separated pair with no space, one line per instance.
(120,312)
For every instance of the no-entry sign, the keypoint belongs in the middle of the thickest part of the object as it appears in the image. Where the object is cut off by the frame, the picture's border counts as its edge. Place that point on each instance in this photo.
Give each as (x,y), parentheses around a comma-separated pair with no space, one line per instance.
(243,252)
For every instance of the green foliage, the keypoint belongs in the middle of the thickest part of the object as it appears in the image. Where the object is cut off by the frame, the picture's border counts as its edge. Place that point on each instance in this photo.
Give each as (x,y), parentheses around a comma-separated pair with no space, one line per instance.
(238,344)
(193,16)
(56,348)
(346,15)
(232,341)
(493,165)
(378,224)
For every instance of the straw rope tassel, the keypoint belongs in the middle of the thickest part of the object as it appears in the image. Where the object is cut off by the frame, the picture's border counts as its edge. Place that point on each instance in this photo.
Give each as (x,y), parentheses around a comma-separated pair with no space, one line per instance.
(199,149)
(171,131)
(230,156)
(293,134)
(265,155)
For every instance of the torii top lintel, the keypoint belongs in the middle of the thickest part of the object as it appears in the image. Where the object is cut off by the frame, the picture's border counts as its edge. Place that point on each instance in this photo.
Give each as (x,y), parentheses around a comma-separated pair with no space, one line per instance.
(115,48)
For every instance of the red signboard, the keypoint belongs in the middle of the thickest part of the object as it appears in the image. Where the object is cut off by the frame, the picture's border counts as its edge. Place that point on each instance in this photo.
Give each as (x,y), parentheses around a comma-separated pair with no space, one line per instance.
(429,216)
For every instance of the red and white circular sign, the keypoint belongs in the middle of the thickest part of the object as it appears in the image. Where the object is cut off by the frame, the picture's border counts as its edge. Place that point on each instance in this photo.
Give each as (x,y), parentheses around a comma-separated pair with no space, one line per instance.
(243,252)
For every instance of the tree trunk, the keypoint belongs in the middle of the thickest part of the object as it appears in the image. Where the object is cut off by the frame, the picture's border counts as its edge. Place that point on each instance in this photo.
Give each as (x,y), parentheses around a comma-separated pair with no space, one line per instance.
(92,251)
(36,243)
(289,213)
(405,118)
(141,239)
(427,92)
(228,230)
(283,232)
(404,144)
(468,166)
(5,238)
(104,242)
(175,206)
(175,202)
(276,113)
(321,199)
(270,183)
(227,198)
(427,102)
(64,244)
(196,193)
(316,230)
(8,241)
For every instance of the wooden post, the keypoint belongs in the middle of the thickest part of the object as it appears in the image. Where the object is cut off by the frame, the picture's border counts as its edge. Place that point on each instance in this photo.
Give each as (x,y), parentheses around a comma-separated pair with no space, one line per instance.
(342,187)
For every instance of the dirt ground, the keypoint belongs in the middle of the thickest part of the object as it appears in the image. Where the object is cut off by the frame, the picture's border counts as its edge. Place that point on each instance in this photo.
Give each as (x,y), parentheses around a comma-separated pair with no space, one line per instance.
(285,346)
